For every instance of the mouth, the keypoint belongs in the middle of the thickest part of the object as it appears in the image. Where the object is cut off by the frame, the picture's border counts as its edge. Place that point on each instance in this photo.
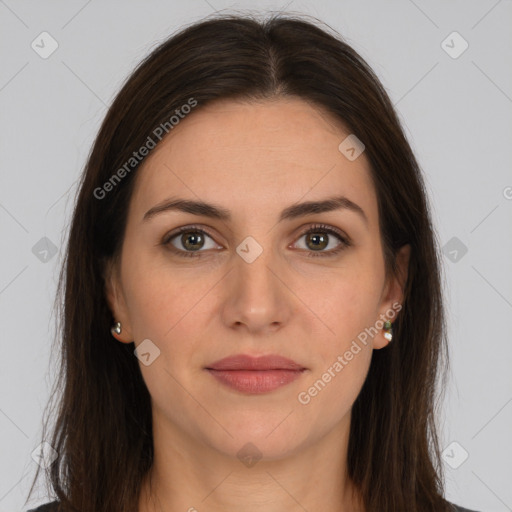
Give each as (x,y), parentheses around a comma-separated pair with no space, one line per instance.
(255,375)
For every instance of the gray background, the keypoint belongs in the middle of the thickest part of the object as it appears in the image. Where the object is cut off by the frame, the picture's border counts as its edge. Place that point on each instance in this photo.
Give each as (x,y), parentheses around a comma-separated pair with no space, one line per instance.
(457,115)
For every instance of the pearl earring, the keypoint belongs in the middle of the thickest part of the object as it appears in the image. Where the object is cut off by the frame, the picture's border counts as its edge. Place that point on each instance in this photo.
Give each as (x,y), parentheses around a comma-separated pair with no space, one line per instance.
(116,328)
(388,327)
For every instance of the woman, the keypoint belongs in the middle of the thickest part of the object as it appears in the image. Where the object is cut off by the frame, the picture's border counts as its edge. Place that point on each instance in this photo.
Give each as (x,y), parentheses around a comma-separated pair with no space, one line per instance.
(252,309)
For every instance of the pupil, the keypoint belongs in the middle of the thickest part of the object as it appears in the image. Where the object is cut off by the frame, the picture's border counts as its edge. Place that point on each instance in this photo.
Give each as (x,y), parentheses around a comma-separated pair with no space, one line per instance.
(318,240)
(196,239)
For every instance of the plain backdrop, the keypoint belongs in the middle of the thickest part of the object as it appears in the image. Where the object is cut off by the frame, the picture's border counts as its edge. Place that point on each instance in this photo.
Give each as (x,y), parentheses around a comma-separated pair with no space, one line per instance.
(453,93)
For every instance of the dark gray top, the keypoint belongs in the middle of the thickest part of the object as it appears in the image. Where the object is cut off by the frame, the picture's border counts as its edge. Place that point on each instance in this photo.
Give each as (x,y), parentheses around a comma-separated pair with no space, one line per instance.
(52,507)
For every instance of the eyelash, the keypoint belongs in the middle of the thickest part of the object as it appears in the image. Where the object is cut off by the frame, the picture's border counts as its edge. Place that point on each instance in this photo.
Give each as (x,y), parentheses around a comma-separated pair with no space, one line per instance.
(317,228)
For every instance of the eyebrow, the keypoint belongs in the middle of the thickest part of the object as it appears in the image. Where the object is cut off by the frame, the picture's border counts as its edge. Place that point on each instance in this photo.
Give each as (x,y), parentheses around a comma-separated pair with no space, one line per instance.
(291,212)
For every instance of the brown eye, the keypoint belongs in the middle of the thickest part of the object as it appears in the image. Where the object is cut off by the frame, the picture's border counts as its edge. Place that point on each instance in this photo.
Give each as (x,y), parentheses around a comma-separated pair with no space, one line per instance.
(192,240)
(188,241)
(318,238)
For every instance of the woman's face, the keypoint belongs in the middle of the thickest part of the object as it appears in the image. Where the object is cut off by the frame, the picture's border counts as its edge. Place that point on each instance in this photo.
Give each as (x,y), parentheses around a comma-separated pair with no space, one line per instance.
(253,283)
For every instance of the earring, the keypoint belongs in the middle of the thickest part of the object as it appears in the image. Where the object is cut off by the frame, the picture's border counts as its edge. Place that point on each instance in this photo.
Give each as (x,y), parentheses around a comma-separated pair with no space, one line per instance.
(116,328)
(388,328)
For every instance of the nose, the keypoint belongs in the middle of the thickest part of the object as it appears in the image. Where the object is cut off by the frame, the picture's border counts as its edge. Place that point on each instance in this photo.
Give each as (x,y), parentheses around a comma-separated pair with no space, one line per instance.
(257,298)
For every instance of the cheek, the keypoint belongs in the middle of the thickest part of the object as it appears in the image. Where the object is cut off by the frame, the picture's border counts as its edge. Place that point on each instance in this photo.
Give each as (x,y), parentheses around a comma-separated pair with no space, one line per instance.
(335,382)
(350,311)
(156,297)
(346,301)
(164,308)
(170,307)
(344,352)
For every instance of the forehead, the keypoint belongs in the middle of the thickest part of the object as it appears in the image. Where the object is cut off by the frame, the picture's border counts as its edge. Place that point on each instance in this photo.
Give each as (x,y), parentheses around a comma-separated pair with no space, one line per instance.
(254,157)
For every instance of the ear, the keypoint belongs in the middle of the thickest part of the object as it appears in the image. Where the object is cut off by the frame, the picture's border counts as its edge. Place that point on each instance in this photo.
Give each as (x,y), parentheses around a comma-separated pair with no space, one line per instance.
(116,301)
(393,294)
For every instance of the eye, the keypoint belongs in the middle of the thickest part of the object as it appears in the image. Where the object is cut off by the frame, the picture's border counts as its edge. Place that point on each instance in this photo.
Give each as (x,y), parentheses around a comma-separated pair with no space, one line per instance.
(192,240)
(319,236)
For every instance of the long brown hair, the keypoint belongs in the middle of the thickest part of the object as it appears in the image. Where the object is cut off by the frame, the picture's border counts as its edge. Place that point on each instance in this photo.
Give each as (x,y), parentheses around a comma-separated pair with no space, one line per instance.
(103,427)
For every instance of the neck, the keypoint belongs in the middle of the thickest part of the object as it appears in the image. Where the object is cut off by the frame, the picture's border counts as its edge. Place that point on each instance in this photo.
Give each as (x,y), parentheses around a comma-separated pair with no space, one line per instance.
(189,476)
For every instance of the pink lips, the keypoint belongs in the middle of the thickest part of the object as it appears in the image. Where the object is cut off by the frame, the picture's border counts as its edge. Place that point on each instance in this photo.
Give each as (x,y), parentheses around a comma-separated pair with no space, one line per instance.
(255,374)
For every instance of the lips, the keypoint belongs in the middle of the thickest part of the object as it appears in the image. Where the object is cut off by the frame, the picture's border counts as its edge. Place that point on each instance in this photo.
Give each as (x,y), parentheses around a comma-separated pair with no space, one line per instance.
(255,375)
(246,362)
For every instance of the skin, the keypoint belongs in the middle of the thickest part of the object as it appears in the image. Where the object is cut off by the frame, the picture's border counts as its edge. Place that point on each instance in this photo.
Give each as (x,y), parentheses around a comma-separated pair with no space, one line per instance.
(254,159)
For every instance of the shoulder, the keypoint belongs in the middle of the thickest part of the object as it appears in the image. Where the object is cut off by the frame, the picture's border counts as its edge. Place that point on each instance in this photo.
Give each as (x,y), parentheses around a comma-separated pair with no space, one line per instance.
(52,507)
(456,508)
(47,507)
